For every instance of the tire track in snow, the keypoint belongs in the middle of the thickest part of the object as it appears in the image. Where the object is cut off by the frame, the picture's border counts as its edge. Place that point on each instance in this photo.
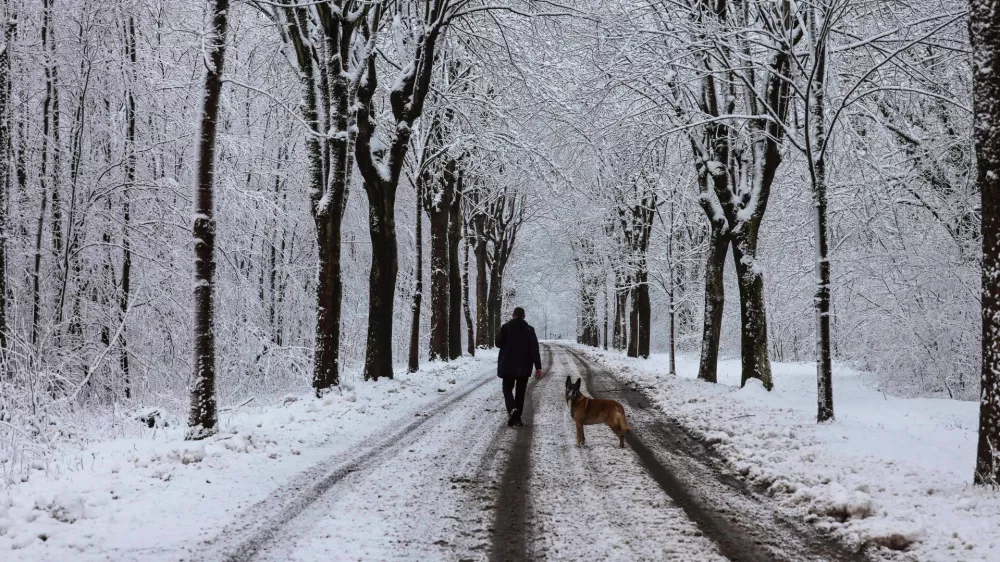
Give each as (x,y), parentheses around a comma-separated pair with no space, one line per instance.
(597,502)
(258,525)
(511,518)
(744,527)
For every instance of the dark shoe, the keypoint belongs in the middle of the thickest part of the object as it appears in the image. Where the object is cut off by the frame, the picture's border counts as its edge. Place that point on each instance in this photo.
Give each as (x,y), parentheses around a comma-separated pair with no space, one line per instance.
(518,422)
(513,418)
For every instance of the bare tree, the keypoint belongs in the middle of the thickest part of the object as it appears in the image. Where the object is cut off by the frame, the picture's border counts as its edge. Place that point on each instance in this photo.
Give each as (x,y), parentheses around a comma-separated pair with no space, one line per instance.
(380,163)
(507,213)
(9,27)
(413,360)
(203,419)
(815,145)
(984,32)
(470,335)
(439,197)
(454,269)
(322,37)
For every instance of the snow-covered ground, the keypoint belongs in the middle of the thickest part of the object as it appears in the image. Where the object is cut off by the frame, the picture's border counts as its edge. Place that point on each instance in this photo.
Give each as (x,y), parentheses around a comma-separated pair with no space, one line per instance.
(155,497)
(889,473)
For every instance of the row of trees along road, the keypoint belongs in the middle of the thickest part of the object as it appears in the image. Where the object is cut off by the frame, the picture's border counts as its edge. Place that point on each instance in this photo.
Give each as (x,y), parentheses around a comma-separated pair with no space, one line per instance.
(745,86)
(336,49)
(653,142)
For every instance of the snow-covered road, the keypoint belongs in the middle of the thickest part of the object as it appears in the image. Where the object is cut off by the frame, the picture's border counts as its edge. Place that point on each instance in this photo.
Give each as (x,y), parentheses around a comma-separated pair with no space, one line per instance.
(457,484)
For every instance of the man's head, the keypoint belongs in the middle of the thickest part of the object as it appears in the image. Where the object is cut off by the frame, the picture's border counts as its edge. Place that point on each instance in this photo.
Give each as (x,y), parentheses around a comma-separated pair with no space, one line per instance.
(519,313)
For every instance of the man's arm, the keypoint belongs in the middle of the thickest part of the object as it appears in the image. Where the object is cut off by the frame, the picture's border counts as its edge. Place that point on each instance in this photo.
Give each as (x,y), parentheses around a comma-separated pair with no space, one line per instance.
(501,337)
(536,357)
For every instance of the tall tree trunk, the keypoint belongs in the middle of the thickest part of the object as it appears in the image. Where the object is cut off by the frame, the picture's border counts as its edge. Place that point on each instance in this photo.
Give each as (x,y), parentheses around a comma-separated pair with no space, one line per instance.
(496,313)
(593,336)
(53,136)
(9,27)
(322,71)
(130,164)
(633,323)
(673,326)
(381,284)
(330,210)
(203,419)
(440,265)
(715,299)
(816,146)
(493,305)
(984,32)
(48,150)
(753,315)
(329,296)
(413,362)
(644,312)
(483,340)
(276,234)
(621,305)
(455,273)
(470,335)
(605,313)
(381,172)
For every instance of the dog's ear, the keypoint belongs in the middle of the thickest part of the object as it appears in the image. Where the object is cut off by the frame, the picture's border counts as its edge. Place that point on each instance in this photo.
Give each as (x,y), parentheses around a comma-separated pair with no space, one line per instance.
(569,381)
(576,385)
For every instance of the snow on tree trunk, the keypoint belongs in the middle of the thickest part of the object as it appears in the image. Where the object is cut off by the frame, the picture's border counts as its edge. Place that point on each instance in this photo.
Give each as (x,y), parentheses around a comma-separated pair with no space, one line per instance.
(203,420)
(326,98)
(381,288)
(984,32)
(438,204)
(470,335)
(753,314)
(413,360)
(816,145)
(9,26)
(715,300)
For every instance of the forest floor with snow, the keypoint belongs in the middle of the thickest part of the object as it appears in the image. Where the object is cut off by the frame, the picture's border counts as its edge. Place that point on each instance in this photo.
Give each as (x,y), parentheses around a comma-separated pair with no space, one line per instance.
(422,467)
(892,475)
(156,496)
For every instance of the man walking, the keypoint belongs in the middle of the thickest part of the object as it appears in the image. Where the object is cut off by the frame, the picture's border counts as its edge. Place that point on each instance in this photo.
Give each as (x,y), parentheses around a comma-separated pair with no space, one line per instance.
(518,352)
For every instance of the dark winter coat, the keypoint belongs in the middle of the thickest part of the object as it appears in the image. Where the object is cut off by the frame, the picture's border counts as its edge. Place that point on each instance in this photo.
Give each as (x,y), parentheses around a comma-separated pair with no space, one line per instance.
(518,350)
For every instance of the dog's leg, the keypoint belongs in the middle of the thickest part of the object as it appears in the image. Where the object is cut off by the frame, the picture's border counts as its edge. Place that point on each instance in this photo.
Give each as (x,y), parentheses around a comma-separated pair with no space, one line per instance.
(616,428)
(579,434)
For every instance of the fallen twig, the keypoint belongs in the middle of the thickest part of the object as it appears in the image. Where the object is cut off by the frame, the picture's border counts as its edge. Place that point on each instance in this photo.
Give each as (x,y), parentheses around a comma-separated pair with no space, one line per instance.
(240,405)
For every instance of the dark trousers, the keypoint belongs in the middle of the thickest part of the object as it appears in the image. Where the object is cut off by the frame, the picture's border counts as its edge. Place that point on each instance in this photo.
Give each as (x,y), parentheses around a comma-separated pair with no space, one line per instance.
(514,389)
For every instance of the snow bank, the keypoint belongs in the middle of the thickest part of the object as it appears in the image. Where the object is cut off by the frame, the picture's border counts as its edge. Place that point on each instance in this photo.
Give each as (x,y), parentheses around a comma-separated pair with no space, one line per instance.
(153,497)
(891,476)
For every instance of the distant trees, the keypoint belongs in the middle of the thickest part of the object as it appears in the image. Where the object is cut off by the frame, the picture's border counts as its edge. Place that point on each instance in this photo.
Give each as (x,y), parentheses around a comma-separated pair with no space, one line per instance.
(589,268)
(635,214)
(984,32)
(493,216)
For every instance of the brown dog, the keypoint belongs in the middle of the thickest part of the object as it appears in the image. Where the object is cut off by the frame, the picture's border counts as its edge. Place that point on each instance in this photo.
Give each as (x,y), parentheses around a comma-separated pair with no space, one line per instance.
(589,411)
